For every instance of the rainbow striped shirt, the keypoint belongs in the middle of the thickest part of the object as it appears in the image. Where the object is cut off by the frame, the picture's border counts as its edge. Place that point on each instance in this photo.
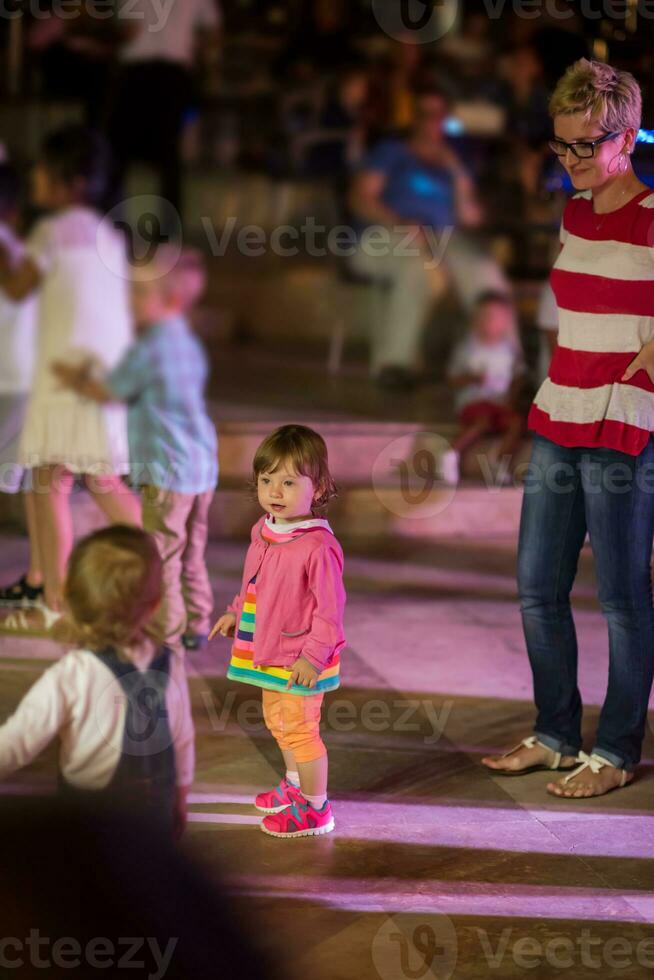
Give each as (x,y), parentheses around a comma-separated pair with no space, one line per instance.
(241,667)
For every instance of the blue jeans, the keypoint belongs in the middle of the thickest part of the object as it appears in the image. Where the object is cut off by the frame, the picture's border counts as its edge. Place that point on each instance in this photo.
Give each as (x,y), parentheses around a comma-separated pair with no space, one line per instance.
(611,495)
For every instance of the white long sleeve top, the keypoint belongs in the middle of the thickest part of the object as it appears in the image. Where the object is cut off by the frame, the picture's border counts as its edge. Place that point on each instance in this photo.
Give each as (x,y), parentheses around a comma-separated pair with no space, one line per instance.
(82,701)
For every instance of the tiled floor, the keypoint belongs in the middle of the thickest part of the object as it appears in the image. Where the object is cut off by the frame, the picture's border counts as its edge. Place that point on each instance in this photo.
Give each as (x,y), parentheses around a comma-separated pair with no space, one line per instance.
(436,869)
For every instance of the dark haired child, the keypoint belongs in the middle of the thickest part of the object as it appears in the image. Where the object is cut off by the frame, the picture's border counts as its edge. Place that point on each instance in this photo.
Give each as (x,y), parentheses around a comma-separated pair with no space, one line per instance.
(485,371)
(77,262)
(287,621)
(119,700)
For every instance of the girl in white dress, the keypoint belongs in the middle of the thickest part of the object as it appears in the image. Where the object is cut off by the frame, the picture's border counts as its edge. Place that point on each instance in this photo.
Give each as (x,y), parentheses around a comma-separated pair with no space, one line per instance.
(78,263)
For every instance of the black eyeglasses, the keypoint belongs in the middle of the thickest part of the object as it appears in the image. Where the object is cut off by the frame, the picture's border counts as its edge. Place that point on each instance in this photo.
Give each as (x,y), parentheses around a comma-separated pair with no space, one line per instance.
(583,149)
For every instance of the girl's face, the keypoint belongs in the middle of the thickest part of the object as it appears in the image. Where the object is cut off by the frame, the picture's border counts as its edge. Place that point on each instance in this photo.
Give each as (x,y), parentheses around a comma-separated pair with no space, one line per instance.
(286,494)
(608,160)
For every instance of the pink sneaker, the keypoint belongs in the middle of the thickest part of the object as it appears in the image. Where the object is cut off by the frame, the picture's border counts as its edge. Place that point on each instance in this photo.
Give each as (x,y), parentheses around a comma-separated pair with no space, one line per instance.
(279,798)
(299,819)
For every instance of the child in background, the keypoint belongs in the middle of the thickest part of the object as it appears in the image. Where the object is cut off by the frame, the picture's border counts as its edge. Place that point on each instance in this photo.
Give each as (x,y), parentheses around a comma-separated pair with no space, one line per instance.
(173,444)
(290,622)
(120,702)
(83,313)
(17,340)
(485,372)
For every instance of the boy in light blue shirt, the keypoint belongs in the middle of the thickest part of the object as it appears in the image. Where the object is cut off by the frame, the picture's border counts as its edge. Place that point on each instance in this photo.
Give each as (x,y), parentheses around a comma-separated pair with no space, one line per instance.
(172,442)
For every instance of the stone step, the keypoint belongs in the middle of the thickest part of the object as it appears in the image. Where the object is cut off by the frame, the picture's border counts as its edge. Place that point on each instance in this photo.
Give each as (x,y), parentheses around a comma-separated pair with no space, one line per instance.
(363,453)
(356,448)
(387,478)
(468,511)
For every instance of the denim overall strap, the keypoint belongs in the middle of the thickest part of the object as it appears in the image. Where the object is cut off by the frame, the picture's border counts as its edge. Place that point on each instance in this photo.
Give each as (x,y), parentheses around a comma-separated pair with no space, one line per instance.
(145,776)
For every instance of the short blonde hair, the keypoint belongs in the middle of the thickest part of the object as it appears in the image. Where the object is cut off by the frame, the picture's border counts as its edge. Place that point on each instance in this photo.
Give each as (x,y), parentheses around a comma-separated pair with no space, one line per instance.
(113,586)
(600,92)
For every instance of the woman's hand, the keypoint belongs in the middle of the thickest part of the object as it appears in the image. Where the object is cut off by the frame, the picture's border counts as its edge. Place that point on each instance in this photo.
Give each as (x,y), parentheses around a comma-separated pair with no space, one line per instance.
(226,626)
(303,674)
(643,361)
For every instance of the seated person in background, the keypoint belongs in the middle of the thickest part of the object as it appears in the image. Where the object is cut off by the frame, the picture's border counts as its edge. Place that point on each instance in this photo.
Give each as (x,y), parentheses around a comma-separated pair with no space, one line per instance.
(345,115)
(485,371)
(528,123)
(417,190)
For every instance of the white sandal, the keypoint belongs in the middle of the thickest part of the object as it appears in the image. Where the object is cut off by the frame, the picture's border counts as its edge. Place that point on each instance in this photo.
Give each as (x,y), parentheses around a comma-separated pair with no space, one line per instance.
(529,743)
(595,763)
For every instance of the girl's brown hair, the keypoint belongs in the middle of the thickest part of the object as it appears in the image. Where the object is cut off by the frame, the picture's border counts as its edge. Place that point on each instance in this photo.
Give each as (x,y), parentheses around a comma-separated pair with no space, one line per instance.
(305,451)
(112,588)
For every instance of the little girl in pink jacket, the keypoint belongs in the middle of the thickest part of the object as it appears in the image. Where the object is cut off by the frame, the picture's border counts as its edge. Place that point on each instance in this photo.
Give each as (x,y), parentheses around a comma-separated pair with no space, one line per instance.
(287,621)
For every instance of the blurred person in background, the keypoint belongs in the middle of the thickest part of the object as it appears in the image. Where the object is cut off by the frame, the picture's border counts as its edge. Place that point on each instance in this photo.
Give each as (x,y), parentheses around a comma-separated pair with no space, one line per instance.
(153,88)
(77,264)
(320,45)
(469,53)
(417,189)
(528,126)
(172,441)
(17,342)
(400,77)
(344,127)
(485,371)
(74,55)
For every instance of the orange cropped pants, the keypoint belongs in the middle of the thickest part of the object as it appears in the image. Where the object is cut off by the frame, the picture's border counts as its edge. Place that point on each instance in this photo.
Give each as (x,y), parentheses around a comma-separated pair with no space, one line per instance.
(294,722)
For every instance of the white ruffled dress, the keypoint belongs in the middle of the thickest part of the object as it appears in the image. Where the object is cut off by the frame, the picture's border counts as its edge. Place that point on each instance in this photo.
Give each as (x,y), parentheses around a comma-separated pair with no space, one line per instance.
(83,313)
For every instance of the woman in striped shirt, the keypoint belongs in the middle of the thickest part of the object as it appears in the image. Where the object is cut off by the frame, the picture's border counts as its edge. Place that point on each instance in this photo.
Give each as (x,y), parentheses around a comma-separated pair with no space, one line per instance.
(592,468)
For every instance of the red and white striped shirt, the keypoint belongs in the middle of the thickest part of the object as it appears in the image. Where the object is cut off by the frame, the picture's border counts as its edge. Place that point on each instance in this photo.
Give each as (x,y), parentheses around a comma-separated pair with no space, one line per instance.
(603,280)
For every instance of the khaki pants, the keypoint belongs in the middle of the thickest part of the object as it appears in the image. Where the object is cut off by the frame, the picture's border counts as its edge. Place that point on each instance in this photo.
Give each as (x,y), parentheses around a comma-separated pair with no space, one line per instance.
(179,524)
(415,283)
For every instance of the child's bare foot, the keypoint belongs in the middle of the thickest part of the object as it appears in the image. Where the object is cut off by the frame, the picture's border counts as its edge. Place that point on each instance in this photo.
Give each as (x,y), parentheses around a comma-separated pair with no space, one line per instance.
(529,756)
(594,777)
